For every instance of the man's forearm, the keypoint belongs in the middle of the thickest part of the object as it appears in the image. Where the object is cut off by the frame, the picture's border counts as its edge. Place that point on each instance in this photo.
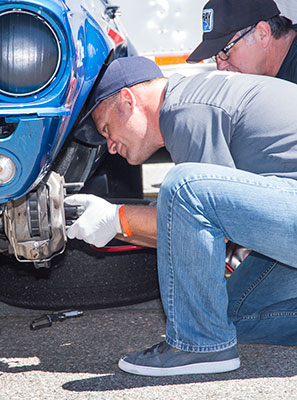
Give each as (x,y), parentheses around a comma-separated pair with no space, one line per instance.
(101,221)
(142,221)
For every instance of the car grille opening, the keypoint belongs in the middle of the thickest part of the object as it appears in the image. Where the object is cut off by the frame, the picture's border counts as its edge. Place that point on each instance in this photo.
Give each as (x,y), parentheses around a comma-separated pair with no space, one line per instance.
(6,129)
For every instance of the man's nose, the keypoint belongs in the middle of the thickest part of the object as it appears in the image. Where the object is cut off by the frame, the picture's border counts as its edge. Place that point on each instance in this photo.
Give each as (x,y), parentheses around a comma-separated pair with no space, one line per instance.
(222,65)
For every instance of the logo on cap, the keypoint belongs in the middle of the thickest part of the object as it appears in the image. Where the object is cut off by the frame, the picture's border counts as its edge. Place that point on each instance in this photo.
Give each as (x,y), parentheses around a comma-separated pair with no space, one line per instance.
(207,19)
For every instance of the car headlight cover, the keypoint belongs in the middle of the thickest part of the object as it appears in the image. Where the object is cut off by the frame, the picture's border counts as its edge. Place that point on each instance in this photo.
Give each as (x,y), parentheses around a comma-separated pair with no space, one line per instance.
(7,169)
(30,53)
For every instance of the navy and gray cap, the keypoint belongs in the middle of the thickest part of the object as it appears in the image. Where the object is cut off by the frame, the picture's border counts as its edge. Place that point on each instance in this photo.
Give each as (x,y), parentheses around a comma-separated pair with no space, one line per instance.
(120,73)
(222,19)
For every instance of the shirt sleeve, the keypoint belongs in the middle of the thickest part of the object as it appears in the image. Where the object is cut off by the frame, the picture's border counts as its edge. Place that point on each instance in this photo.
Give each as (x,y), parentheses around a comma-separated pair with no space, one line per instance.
(197,133)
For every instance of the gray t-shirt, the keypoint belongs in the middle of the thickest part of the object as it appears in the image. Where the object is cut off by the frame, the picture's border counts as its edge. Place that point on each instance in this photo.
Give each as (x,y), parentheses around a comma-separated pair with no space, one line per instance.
(237,120)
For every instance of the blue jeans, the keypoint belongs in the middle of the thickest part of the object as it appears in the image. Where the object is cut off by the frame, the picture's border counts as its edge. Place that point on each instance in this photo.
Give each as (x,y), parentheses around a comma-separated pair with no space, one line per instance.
(198,206)
(263,301)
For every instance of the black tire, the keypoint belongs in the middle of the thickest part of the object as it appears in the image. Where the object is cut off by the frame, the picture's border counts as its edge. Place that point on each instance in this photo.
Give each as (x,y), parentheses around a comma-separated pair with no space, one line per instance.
(82,278)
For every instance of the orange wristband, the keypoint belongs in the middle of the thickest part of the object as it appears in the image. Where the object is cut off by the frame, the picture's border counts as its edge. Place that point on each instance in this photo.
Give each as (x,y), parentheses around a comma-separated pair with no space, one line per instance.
(125,226)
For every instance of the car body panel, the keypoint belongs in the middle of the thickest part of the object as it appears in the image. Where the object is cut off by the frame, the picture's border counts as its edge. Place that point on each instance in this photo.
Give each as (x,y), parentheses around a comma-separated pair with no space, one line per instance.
(44,119)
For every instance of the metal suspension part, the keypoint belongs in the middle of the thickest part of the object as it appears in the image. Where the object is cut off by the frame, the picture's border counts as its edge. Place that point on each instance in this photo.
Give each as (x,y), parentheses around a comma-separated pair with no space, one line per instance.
(35,223)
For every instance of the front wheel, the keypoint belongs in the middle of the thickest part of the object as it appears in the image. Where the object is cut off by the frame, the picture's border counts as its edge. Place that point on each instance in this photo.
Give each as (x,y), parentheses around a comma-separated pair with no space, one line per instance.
(81,277)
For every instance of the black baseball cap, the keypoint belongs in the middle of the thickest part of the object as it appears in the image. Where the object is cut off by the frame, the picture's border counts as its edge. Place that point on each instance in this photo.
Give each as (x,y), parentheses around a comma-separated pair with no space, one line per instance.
(223,18)
(120,73)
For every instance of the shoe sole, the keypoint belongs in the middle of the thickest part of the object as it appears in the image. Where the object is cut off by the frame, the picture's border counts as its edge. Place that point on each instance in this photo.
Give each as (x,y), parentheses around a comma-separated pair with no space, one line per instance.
(213,367)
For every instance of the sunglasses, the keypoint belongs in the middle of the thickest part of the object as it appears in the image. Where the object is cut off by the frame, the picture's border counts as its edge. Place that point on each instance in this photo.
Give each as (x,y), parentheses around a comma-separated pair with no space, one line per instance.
(224,53)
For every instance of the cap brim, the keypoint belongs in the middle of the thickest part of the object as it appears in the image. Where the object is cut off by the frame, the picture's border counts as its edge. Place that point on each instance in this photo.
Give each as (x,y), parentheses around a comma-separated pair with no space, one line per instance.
(86,132)
(209,48)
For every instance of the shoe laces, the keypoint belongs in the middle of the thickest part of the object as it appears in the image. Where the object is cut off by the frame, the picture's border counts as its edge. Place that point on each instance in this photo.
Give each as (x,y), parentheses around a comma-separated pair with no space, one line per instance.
(160,347)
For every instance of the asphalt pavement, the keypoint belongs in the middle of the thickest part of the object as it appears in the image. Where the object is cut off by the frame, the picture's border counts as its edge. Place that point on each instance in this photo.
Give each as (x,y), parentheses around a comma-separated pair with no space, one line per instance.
(77,359)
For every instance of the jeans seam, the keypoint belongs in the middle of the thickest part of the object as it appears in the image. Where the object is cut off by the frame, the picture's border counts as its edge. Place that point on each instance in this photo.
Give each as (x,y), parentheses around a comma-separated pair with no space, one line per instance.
(171,292)
(200,349)
(275,314)
(231,179)
(250,289)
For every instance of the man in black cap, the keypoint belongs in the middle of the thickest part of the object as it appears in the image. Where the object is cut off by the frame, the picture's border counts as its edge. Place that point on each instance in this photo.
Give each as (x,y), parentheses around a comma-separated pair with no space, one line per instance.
(249,37)
(234,137)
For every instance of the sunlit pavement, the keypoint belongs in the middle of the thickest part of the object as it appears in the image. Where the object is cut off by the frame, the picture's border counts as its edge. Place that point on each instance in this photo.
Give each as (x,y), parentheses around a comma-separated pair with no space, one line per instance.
(77,359)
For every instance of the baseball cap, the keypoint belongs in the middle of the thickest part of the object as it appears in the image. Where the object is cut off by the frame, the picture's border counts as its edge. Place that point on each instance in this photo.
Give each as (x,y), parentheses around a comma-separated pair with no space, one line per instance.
(120,73)
(223,18)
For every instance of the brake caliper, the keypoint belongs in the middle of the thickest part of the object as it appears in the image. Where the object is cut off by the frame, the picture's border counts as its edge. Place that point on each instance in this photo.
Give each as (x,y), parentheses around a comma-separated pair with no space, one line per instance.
(35,223)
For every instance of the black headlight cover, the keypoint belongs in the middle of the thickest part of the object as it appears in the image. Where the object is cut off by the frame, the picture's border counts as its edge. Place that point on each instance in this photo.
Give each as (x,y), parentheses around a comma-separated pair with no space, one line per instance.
(30,53)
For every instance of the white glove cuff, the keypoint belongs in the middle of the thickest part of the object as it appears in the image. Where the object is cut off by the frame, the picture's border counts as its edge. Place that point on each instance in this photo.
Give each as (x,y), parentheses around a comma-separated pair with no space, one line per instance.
(117,219)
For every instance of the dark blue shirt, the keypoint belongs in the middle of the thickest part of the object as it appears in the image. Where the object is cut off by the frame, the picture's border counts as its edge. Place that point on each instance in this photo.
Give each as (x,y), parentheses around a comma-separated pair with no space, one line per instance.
(288,70)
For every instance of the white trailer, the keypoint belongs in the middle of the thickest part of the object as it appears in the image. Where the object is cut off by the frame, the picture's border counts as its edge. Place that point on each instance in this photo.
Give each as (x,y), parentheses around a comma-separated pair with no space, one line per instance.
(165,30)
(168,30)
(288,8)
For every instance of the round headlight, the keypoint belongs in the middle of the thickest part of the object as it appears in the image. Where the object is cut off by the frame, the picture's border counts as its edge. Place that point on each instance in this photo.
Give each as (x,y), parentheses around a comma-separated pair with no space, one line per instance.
(7,169)
(30,53)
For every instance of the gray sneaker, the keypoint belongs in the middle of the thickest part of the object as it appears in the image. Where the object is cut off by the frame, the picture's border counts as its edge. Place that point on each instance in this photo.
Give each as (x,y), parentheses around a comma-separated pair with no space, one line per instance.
(163,360)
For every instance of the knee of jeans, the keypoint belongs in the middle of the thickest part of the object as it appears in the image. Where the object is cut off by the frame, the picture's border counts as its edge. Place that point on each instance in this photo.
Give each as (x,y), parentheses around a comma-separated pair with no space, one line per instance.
(173,181)
(180,174)
(183,174)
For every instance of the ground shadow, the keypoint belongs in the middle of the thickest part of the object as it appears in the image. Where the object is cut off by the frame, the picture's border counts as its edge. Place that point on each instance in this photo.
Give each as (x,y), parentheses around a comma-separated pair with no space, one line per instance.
(93,344)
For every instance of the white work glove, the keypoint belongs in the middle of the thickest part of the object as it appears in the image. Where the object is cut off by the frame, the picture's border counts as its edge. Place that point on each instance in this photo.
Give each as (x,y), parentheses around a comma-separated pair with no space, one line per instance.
(99,223)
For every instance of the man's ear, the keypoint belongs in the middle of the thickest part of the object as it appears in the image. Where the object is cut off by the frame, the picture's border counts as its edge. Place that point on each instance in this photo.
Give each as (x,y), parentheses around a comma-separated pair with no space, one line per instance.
(127,100)
(263,32)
